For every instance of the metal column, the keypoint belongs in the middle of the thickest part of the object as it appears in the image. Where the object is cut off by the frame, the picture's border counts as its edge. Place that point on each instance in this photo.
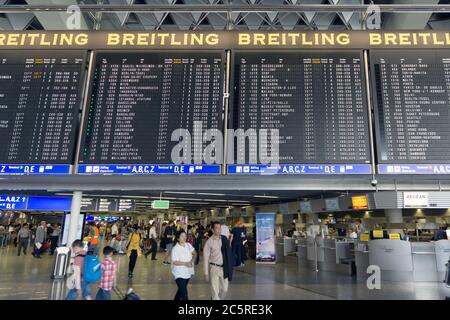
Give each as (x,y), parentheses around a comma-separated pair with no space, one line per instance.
(74,217)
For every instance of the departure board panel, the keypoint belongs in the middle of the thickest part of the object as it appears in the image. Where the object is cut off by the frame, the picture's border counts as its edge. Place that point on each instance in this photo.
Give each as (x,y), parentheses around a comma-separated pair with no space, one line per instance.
(40,99)
(317,102)
(139,99)
(411,94)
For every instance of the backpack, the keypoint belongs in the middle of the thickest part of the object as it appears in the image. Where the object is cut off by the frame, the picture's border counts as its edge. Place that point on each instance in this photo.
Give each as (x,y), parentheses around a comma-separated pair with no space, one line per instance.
(92,271)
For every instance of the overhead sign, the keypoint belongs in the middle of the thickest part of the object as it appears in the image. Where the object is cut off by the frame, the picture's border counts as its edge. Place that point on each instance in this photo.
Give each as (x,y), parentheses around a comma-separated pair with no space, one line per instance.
(415,200)
(160,204)
(305,206)
(359,202)
(223,39)
(149,169)
(294,169)
(32,203)
(13,202)
(332,204)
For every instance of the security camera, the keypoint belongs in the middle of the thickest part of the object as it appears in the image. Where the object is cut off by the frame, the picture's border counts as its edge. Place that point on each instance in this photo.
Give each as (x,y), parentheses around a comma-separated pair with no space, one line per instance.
(374,182)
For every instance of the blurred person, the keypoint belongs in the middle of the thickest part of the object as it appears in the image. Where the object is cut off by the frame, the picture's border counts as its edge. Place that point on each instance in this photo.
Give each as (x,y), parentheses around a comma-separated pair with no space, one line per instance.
(94,234)
(3,235)
(225,229)
(39,239)
(238,243)
(134,249)
(23,239)
(54,237)
(169,235)
(154,240)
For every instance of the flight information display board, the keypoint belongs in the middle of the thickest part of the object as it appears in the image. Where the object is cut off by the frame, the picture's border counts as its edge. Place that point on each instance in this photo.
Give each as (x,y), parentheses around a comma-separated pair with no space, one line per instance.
(138,99)
(411,94)
(317,102)
(40,99)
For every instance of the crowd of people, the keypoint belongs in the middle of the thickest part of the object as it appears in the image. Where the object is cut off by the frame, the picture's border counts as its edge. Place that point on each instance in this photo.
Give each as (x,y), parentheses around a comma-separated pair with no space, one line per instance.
(183,244)
(40,237)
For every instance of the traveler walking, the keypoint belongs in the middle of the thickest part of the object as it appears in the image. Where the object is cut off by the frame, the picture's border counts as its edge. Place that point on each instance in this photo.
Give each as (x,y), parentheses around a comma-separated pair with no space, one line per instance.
(54,237)
(237,243)
(94,235)
(197,242)
(23,239)
(75,280)
(134,249)
(218,262)
(108,280)
(39,239)
(3,236)
(182,256)
(154,241)
(169,235)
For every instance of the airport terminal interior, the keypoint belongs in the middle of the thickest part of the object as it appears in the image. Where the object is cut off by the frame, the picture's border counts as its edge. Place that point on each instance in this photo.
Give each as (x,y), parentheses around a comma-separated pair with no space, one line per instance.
(316,133)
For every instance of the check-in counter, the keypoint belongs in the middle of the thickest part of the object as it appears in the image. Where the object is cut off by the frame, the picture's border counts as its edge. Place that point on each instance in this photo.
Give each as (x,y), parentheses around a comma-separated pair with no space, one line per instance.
(393,257)
(361,258)
(302,252)
(314,249)
(424,261)
(286,250)
(329,255)
(337,257)
(290,250)
(279,249)
(442,251)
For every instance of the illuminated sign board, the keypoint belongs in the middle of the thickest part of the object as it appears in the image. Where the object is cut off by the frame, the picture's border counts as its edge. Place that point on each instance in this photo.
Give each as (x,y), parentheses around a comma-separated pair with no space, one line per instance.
(223,39)
(359,202)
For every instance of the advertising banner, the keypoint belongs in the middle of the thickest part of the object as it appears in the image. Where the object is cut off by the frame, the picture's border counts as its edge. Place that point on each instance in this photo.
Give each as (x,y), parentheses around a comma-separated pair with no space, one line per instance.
(415,199)
(265,238)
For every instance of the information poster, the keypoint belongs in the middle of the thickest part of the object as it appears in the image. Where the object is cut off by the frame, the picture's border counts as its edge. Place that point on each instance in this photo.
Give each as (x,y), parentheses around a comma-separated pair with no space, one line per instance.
(265,238)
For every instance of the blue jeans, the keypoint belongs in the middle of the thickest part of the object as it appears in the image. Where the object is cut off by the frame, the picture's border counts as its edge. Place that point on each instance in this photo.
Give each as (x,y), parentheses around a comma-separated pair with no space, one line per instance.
(103,294)
(85,291)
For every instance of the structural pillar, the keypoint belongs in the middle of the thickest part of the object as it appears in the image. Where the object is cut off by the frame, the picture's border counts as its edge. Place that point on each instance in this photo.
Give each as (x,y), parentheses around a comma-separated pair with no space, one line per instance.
(312,218)
(394,216)
(74,217)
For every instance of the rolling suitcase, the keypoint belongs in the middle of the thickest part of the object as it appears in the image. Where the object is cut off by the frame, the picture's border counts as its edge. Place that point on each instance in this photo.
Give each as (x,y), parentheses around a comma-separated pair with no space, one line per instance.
(61,262)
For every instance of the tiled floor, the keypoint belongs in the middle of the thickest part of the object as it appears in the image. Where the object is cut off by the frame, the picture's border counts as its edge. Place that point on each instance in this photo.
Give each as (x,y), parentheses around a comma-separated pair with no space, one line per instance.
(28,278)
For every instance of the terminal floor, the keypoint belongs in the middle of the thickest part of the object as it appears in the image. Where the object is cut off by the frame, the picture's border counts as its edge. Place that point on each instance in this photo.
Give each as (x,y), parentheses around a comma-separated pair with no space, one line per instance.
(25,277)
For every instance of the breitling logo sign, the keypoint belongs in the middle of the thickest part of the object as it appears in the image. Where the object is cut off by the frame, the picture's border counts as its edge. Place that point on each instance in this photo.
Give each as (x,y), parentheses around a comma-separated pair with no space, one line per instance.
(223,40)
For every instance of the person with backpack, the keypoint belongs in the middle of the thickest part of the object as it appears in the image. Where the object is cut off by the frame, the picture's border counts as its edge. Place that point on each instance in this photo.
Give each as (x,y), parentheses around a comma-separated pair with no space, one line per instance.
(108,279)
(75,282)
(134,249)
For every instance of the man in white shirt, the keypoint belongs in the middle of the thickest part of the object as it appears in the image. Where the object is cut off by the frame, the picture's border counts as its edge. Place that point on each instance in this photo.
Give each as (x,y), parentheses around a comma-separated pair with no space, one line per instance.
(217,267)
(225,230)
(114,230)
(154,240)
